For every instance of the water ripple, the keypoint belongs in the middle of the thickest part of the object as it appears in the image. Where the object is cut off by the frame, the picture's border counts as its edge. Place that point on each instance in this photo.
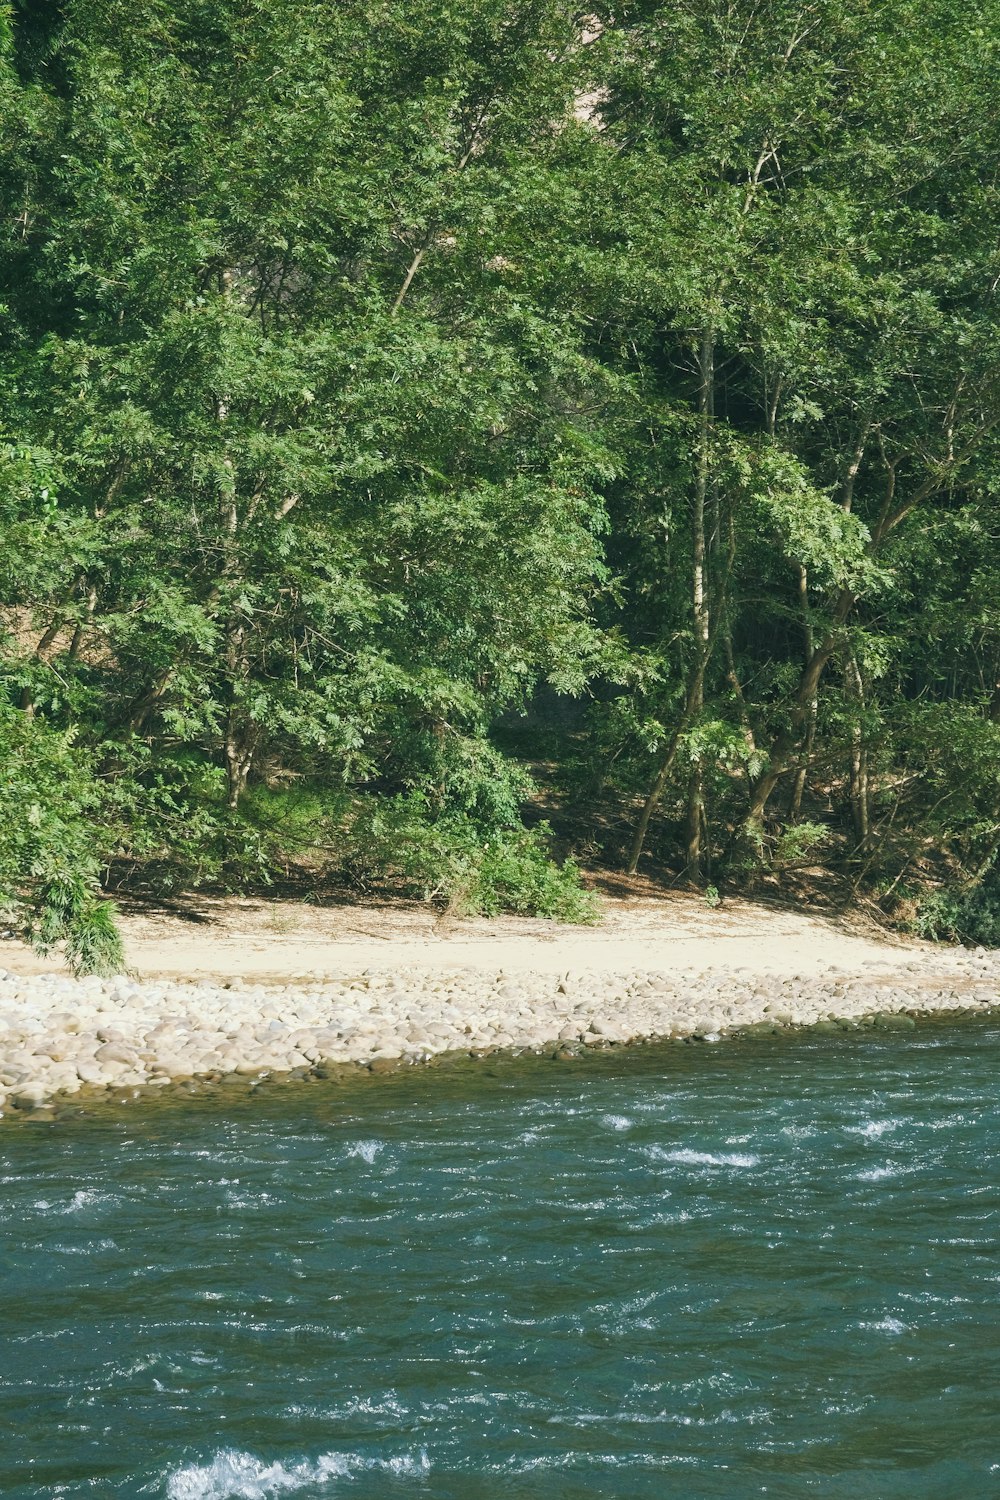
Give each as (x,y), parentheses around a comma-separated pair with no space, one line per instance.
(748,1269)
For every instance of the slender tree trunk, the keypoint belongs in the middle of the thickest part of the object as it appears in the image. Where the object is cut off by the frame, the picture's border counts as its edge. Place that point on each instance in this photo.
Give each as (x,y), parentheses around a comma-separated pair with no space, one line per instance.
(656,791)
(733,678)
(799,783)
(241,733)
(77,641)
(859,753)
(700,609)
(784,744)
(695,697)
(695,824)
(802,772)
(27,693)
(143,706)
(241,743)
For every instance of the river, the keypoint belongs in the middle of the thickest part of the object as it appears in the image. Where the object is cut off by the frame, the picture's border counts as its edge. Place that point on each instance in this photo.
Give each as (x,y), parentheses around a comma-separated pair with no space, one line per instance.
(750,1269)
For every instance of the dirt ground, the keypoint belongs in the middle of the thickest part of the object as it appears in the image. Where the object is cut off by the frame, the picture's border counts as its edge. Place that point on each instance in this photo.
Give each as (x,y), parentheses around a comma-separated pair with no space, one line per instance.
(206,937)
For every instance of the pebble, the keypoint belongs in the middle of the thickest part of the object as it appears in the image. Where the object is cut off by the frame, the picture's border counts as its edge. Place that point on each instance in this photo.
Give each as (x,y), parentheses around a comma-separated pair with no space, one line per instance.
(60,1035)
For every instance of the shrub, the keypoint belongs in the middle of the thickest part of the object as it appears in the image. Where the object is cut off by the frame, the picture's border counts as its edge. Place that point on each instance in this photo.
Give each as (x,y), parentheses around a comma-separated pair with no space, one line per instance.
(469,869)
(52,829)
(961,914)
(68,909)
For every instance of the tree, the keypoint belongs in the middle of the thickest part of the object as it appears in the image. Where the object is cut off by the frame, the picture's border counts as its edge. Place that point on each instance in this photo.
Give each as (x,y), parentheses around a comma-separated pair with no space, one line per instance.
(810,262)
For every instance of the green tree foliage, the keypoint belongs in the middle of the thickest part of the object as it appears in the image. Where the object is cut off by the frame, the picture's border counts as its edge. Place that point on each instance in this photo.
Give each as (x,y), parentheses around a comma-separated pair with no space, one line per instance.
(327,490)
(366,368)
(803,219)
(50,803)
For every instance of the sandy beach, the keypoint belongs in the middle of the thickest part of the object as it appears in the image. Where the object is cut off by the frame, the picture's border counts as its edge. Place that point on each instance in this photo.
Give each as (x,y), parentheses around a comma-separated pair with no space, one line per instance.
(256,988)
(260,940)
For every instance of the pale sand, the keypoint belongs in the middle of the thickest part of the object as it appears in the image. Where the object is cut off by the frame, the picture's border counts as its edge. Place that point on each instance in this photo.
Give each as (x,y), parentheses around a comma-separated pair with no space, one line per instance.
(249,939)
(259,989)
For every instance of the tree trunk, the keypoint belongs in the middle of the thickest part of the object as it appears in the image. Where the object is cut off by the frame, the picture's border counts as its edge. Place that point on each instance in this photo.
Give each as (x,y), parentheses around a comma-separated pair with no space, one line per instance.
(77,641)
(701,619)
(656,791)
(799,784)
(143,706)
(242,733)
(239,760)
(859,754)
(27,693)
(240,738)
(784,743)
(699,601)
(694,824)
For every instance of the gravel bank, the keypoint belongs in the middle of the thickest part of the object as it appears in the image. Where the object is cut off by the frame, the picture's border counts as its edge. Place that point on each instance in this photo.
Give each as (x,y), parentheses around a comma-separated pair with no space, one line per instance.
(60,1036)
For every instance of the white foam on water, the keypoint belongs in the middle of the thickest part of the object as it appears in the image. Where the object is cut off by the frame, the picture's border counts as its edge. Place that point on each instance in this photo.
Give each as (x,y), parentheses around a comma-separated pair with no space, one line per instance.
(886,1325)
(248,1198)
(232,1475)
(873,1130)
(878,1174)
(846,1408)
(367,1150)
(617,1122)
(688,1158)
(751,1417)
(595,1461)
(359,1406)
(87,1249)
(82,1198)
(404,1464)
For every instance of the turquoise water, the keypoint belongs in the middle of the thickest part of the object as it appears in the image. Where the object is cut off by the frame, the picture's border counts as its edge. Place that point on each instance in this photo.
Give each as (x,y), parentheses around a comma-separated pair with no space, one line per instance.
(750,1269)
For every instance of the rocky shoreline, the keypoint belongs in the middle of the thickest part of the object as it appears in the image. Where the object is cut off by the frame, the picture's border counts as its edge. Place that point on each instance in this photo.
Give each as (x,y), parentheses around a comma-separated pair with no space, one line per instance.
(61,1036)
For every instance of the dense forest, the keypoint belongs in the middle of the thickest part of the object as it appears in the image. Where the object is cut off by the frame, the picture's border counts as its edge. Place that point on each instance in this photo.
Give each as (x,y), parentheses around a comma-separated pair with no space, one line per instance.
(444,445)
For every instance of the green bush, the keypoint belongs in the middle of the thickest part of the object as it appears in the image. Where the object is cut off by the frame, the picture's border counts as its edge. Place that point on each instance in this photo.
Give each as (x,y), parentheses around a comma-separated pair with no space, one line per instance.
(961,914)
(53,825)
(69,909)
(798,842)
(181,835)
(517,874)
(469,869)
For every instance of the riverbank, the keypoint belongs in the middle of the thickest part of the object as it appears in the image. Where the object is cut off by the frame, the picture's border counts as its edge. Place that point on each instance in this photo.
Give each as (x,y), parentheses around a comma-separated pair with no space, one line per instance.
(256,989)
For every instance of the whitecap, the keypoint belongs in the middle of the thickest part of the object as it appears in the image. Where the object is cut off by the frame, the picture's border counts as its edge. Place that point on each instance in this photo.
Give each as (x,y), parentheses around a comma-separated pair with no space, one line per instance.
(404,1464)
(617,1122)
(232,1475)
(886,1325)
(689,1158)
(367,1150)
(85,1249)
(873,1130)
(82,1198)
